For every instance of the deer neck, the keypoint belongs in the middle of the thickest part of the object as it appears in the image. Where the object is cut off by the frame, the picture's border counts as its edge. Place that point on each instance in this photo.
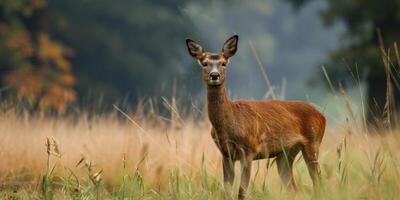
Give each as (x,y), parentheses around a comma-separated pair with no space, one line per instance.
(219,107)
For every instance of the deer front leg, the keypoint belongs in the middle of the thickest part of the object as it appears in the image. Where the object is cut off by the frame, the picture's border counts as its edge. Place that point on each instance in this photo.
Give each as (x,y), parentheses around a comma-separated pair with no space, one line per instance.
(229,175)
(229,170)
(245,178)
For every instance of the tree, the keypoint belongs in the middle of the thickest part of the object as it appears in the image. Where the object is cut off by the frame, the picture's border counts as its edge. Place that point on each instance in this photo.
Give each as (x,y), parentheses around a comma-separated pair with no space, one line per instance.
(360,45)
(124,47)
(33,65)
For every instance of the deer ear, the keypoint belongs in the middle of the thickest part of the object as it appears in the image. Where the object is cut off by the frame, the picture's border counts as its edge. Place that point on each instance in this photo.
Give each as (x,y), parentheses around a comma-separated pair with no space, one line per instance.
(194,48)
(230,46)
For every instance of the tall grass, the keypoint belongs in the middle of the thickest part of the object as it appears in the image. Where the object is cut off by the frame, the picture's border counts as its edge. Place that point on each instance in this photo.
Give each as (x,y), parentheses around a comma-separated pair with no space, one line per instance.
(103,157)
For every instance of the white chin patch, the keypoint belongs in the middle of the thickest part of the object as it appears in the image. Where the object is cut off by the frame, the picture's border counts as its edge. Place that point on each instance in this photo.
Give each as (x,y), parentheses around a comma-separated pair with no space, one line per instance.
(214,82)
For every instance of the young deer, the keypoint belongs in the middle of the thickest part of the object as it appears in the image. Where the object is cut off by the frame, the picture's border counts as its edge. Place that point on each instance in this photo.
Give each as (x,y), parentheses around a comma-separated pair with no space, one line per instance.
(250,130)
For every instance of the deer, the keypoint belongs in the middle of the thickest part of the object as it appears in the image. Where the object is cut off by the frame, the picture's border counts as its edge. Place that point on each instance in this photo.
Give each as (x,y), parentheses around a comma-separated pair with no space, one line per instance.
(248,130)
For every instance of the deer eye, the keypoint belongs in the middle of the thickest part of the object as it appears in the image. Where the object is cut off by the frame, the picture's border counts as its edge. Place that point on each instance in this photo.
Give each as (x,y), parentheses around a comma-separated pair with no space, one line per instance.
(204,64)
(224,64)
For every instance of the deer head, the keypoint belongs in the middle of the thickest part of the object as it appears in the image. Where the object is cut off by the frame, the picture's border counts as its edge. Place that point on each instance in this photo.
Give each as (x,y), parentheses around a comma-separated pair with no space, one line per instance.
(213,64)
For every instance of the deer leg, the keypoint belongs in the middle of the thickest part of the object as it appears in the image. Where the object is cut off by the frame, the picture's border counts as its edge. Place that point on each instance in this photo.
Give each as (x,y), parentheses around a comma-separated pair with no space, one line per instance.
(229,170)
(285,168)
(245,162)
(228,165)
(311,158)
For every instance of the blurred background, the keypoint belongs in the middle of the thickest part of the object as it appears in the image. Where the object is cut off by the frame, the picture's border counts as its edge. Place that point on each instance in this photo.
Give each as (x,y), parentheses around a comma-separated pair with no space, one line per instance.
(56,55)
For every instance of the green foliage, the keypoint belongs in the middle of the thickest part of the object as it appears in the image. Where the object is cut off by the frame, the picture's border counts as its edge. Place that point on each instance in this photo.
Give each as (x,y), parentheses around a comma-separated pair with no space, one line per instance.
(370,25)
(360,42)
(124,47)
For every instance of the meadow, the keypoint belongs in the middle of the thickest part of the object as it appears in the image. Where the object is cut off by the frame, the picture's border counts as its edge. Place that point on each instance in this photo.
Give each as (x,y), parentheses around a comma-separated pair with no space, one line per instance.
(56,56)
(144,157)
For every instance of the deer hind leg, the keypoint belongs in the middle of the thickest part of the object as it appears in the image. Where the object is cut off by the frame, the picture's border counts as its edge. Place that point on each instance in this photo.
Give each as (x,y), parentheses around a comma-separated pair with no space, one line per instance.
(310,154)
(285,167)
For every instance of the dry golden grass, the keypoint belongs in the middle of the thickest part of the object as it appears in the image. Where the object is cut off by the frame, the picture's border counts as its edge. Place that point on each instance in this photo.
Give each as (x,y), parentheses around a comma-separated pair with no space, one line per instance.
(355,165)
(110,143)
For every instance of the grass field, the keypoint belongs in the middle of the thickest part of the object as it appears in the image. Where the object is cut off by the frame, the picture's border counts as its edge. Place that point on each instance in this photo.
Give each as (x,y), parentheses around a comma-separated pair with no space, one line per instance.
(109,157)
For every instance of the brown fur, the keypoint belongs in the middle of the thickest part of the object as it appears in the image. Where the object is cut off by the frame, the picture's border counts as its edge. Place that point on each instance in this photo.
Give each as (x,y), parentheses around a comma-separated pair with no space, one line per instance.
(247,130)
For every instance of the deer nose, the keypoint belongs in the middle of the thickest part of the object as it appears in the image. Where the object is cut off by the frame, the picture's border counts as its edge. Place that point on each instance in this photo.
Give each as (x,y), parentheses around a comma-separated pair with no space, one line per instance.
(214,76)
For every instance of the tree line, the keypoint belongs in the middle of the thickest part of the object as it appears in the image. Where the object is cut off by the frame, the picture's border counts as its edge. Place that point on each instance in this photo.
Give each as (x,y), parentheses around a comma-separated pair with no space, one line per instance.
(54,53)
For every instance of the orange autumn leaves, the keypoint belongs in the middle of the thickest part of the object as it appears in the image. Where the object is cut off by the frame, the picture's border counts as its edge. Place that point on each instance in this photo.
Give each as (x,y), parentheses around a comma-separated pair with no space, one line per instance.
(38,69)
(48,81)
